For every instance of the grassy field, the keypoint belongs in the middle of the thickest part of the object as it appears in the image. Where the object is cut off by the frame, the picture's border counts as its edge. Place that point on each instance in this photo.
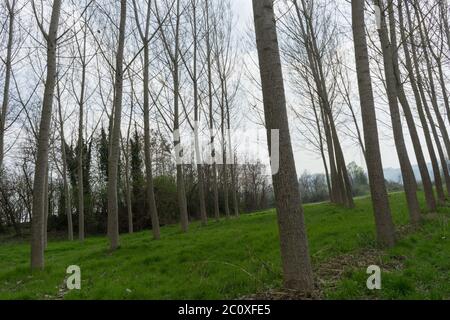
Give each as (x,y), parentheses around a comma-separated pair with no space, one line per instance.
(238,257)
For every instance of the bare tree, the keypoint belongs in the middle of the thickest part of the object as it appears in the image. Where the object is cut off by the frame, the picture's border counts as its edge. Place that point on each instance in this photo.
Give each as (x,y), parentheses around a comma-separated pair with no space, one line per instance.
(409,181)
(209,28)
(380,201)
(11,13)
(425,175)
(420,86)
(297,270)
(67,198)
(420,109)
(173,54)
(145,36)
(114,147)
(41,168)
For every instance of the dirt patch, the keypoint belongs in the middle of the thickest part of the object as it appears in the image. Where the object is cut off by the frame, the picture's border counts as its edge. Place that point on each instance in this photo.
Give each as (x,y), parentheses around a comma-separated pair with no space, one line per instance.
(328,273)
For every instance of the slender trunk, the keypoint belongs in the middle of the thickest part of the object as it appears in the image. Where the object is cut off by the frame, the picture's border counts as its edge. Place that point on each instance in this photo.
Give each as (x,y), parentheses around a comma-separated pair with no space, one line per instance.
(425,39)
(232,165)
(295,258)
(201,182)
(423,119)
(147,153)
(437,141)
(444,89)
(7,80)
(443,9)
(67,201)
(380,201)
(425,175)
(348,196)
(224,152)
(113,159)
(425,104)
(182,203)
(38,215)
(81,145)
(409,181)
(336,183)
(321,147)
(128,187)
(46,200)
(315,61)
(211,117)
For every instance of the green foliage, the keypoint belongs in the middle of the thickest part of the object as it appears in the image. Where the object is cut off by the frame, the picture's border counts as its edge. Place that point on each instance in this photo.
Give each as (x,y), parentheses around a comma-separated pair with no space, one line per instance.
(233,258)
(166,199)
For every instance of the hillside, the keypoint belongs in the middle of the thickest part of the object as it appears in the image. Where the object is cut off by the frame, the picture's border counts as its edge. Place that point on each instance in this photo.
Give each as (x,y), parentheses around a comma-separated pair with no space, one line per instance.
(239,257)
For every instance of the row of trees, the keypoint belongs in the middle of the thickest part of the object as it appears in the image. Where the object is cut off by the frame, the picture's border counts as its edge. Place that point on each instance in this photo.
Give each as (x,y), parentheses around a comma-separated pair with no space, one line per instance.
(101,150)
(425,34)
(141,77)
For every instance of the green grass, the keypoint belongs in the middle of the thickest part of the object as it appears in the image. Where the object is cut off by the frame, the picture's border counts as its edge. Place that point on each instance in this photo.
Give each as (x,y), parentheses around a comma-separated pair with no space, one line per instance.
(233,258)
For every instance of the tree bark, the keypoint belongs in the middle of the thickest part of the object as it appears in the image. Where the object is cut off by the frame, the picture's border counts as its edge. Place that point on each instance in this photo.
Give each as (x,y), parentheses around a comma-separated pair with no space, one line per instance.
(201,182)
(425,103)
(181,191)
(8,67)
(232,164)
(147,153)
(113,159)
(425,40)
(38,214)
(295,258)
(46,200)
(425,175)
(80,161)
(150,193)
(211,116)
(423,119)
(409,181)
(224,152)
(380,201)
(67,201)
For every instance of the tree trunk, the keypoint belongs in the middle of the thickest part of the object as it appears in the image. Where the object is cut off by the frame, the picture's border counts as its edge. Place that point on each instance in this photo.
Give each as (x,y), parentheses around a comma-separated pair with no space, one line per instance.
(127,184)
(38,214)
(67,201)
(148,158)
(7,80)
(425,175)
(46,200)
(113,159)
(380,201)
(295,258)
(224,153)
(80,148)
(211,117)
(425,40)
(423,119)
(232,168)
(201,182)
(409,181)
(343,187)
(425,104)
(181,192)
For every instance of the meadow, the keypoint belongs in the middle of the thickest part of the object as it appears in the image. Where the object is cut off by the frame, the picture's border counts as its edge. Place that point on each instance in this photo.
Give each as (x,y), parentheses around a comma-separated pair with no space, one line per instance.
(239,257)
